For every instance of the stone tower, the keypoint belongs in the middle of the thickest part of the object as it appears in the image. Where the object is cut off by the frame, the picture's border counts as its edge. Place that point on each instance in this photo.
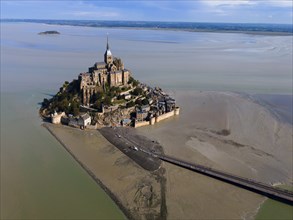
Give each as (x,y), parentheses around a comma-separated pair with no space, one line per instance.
(108,58)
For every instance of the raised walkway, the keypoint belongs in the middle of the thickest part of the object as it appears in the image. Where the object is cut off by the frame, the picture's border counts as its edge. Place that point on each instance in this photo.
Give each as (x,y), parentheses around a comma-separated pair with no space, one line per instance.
(269,191)
(149,159)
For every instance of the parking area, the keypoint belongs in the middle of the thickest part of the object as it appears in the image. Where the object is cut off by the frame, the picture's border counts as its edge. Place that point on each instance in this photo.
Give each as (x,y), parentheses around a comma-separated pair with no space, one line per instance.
(134,146)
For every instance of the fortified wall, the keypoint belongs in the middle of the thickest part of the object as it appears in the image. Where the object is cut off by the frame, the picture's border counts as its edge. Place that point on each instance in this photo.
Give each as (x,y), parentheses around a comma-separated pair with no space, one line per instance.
(159,118)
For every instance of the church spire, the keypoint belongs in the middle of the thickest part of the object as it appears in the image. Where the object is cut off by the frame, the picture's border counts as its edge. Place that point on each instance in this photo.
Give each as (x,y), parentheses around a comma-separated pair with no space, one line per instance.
(108,55)
(108,42)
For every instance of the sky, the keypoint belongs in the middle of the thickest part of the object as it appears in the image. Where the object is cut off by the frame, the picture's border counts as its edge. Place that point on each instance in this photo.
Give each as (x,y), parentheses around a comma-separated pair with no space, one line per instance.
(232,11)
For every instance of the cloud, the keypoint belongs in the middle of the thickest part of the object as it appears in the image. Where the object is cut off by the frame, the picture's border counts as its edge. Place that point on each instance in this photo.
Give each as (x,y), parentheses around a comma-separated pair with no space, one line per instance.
(94,14)
(216,3)
(234,3)
(279,3)
(223,7)
(89,10)
(255,11)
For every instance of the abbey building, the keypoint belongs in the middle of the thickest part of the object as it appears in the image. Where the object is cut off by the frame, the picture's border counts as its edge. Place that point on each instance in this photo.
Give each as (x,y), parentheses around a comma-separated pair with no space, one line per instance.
(110,72)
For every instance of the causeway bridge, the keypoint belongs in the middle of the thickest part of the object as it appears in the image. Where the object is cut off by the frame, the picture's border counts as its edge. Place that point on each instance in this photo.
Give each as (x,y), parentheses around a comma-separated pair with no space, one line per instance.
(269,191)
(150,159)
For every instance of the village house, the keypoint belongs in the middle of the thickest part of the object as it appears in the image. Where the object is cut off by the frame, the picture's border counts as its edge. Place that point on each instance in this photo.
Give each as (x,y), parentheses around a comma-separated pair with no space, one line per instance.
(84,120)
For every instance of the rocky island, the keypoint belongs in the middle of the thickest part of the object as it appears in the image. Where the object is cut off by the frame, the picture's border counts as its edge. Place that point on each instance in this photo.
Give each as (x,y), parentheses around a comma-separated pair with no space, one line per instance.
(48,32)
(109,99)
(108,95)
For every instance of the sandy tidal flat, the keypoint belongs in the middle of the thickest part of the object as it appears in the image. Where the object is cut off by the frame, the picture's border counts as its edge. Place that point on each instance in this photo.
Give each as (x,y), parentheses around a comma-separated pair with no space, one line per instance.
(259,147)
(139,193)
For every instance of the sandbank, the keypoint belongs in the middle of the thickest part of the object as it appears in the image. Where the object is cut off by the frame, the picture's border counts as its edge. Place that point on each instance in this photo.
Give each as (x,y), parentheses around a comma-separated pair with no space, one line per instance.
(138,193)
(258,146)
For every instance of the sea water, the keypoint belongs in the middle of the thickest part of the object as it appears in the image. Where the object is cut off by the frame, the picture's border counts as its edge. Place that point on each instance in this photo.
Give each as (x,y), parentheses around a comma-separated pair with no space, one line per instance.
(39,179)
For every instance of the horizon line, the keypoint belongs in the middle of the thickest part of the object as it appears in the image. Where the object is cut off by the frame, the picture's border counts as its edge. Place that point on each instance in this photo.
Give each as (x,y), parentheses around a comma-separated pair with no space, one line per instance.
(214,22)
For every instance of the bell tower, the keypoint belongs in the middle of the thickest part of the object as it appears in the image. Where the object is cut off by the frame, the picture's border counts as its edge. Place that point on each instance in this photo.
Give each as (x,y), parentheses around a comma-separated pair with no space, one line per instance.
(108,58)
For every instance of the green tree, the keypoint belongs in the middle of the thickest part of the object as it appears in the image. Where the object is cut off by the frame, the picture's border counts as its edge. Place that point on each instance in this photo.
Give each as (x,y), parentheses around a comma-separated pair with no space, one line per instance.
(93,98)
(100,95)
(138,102)
(97,104)
(74,108)
(45,103)
(107,100)
(65,84)
(130,104)
(145,102)
(137,91)
(133,81)
(73,87)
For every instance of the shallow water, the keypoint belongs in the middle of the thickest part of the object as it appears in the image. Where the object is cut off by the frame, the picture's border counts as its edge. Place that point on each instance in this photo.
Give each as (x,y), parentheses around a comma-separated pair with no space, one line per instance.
(171,59)
(280,106)
(38,177)
(272,209)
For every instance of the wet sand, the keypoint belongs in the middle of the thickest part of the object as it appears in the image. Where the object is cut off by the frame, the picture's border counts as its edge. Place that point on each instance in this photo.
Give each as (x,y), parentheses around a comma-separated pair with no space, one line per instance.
(140,194)
(258,147)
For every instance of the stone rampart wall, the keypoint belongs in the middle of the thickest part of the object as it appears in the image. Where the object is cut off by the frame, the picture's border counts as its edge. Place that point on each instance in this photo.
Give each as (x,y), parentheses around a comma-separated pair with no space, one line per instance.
(157,119)
(141,123)
(165,116)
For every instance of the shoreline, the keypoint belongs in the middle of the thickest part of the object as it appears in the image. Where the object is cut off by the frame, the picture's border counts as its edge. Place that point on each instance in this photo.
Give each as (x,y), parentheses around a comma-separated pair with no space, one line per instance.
(92,175)
(141,193)
(255,146)
(200,148)
(249,32)
(257,33)
(267,105)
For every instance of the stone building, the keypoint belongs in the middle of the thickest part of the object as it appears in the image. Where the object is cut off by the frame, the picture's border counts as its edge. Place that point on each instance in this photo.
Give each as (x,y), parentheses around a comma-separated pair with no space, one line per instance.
(56,117)
(110,72)
(84,120)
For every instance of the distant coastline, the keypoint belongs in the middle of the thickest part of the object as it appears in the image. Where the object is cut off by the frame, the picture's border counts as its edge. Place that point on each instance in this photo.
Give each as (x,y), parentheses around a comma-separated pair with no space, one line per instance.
(258,29)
